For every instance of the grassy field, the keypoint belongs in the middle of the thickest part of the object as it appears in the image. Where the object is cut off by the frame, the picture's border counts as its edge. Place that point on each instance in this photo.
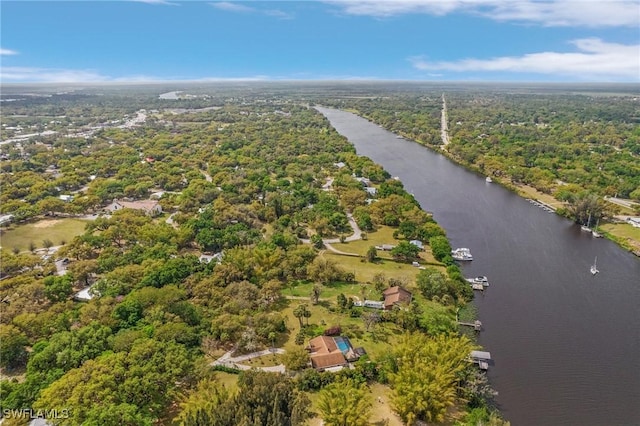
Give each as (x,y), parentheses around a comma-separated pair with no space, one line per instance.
(625,234)
(365,271)
(56,230)
(264,361)
(230,381)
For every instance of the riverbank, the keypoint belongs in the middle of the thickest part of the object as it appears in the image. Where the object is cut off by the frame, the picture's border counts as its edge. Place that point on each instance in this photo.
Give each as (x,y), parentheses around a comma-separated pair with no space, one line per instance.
(542,294)
(623,234)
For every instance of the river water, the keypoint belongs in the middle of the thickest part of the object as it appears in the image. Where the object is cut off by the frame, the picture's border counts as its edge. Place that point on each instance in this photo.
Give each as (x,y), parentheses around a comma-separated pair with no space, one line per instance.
(565,344)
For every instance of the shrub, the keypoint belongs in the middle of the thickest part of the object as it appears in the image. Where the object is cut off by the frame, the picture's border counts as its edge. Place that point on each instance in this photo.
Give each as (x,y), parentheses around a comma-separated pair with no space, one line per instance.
(333,331)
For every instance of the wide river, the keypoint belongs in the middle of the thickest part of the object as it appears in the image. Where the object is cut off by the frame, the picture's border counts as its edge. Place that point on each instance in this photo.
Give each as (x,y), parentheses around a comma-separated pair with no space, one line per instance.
(565,344)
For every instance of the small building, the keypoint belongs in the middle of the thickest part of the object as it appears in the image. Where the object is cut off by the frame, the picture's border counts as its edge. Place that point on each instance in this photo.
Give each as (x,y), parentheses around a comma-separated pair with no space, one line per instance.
(150,207)
(83,295)
(6,219)
(207,258)
(634,221)
(371,190)
(396,296)
(375,304)
(66,198)
(417,243)
(385,247)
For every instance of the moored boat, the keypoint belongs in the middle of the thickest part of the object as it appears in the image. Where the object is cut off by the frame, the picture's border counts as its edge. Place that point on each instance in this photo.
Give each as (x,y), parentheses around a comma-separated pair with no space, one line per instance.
(462,253)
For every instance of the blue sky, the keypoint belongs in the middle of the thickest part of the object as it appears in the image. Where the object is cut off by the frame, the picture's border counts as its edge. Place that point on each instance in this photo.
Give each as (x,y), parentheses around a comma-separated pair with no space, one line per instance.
(429,40)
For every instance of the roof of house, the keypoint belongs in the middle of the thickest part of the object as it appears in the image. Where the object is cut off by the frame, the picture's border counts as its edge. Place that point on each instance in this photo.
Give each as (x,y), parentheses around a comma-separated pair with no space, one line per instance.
(322,344)
(325,352)
(396,294)
(328,360)
(146,205)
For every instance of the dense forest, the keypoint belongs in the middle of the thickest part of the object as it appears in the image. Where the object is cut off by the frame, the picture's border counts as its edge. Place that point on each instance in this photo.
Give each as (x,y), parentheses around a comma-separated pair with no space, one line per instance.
(253,186)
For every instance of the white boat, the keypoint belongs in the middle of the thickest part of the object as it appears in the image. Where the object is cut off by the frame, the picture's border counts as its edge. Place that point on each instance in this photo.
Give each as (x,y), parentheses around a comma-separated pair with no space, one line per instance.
(594,268)
(586,227)
(594,231)
(488,179)
(481,280)
(462,253)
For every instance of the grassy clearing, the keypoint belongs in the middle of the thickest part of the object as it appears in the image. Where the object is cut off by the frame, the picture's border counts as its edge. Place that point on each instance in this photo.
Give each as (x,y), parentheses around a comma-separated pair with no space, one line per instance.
(624,234)
(56,230)
(365,271)
(329,292)
(531,192)
(264,361)
(230,381)
(383,235)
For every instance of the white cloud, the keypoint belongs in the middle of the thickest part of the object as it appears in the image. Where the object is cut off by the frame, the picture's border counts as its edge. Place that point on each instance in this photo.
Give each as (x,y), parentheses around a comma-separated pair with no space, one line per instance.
(241,8)
(593,60)
(278,14)
(232,7)
(7,52)
(589,13)
(158,2)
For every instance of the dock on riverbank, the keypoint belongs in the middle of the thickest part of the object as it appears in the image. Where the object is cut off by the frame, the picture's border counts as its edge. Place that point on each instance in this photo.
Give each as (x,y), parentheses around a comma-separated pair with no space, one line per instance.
(481,358)
(477,325)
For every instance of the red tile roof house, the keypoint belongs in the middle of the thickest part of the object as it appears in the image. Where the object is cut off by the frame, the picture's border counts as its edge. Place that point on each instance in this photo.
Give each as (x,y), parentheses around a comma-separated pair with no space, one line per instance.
(324,353)
(396,296)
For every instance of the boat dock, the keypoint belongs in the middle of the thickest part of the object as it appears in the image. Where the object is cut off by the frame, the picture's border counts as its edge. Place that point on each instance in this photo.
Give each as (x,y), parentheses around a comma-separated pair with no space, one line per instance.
(477,325)
(478,283)
(481,358)
(544,206)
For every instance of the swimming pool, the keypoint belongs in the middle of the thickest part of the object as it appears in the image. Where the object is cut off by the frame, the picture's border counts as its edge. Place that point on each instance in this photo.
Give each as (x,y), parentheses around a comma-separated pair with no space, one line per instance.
(343,344)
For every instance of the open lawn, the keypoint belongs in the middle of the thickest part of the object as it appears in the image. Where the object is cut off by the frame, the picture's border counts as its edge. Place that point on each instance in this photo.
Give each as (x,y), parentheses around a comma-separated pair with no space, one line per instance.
(230,381)
(365,271)
(530,192)
(264,361)
(56,230)
(627,235)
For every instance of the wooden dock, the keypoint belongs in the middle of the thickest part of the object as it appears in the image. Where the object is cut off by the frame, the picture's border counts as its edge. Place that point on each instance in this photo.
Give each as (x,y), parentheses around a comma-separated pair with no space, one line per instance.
(481,358)
(477,325)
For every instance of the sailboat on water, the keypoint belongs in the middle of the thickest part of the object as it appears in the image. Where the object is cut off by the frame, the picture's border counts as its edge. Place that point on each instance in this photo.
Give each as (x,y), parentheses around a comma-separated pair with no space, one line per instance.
(594,268)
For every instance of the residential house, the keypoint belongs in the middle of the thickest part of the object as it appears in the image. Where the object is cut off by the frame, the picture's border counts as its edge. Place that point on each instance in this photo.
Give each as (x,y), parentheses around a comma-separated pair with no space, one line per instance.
(150,207)
(324,353)
(395,296)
